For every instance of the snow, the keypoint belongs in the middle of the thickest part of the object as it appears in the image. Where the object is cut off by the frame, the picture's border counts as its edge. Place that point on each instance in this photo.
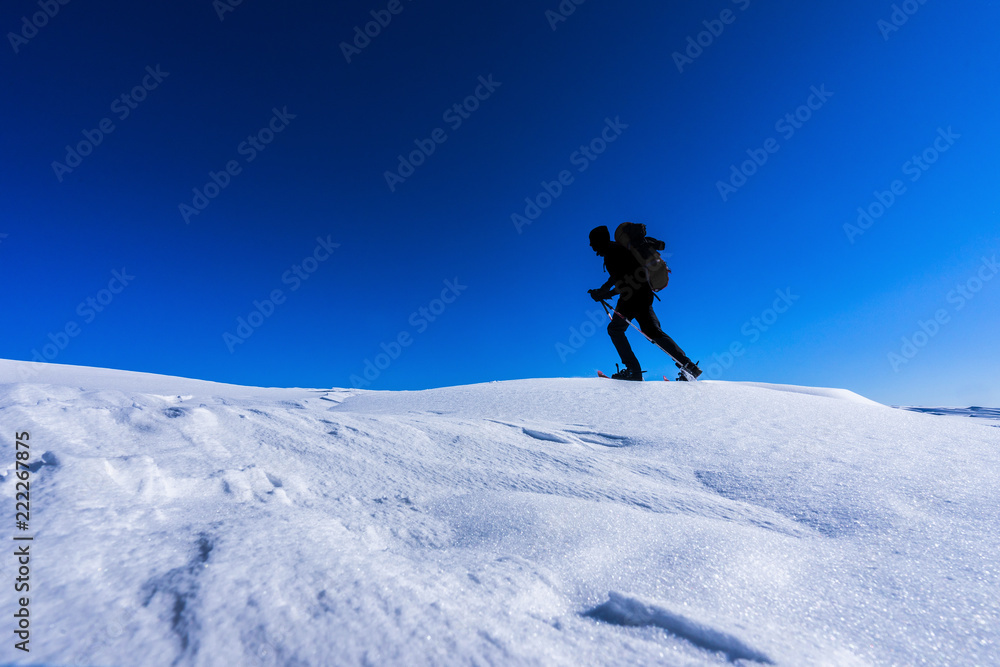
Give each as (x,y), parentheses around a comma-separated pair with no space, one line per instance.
(974,411)
(532,522)
(622,610)
(842,394)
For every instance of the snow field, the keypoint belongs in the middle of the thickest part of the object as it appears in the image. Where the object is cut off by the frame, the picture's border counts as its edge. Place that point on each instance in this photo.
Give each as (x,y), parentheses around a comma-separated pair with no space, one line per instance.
(535,522)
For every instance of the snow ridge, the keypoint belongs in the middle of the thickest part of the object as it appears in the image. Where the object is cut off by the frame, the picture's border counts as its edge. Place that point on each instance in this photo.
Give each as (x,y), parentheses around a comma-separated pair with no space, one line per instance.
(974,411)
(623,610)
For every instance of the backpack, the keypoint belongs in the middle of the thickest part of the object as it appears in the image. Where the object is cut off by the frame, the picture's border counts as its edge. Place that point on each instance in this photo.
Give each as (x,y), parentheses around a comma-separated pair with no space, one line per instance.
(632,237)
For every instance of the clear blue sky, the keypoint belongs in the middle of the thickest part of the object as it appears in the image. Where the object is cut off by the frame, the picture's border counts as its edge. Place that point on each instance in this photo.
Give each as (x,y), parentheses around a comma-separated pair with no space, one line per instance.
(267,92)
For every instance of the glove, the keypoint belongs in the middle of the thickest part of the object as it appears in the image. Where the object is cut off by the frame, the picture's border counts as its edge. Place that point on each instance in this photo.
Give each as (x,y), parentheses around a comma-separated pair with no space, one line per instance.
(599,294)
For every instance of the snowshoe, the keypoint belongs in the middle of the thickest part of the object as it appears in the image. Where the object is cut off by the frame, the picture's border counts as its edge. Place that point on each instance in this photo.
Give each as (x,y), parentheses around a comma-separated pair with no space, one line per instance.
(634,375)
(688,373)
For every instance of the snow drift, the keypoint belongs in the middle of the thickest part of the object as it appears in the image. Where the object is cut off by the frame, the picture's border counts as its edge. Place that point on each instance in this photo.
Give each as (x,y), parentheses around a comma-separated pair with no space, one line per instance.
(534,522)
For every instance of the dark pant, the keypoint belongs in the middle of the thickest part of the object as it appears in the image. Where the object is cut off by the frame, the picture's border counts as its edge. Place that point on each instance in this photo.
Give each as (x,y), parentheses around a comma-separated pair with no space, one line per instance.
(640,308)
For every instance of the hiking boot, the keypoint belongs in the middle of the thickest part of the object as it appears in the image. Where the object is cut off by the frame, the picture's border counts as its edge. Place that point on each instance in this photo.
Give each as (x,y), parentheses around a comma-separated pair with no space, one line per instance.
(632,374)
(691,368)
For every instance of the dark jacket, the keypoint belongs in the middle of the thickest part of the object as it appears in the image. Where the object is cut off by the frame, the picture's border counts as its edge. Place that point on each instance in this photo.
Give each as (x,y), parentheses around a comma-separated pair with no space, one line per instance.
(625,272)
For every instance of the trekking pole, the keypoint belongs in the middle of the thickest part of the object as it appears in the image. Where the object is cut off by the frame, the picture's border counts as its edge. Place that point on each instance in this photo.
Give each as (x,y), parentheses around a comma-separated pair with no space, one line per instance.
(610,309)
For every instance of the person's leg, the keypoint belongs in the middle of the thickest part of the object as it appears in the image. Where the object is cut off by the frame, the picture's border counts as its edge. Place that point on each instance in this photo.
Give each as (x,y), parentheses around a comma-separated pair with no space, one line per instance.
(673,349)
(616,329)
(650,325)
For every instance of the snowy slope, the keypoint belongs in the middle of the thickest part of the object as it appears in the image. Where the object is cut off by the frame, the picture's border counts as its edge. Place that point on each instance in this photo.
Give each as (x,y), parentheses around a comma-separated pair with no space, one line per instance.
(534,522)
(975,411)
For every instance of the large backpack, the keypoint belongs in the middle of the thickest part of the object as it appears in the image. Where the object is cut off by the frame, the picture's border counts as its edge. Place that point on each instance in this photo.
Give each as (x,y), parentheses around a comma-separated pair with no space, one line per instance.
(632,237)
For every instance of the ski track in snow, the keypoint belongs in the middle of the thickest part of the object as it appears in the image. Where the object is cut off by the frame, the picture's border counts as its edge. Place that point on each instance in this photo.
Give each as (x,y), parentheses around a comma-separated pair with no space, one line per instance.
(194,523)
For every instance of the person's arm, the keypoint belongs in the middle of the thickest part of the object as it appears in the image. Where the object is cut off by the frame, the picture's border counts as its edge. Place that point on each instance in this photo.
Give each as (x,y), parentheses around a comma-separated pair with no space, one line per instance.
(606,291)
(611,287)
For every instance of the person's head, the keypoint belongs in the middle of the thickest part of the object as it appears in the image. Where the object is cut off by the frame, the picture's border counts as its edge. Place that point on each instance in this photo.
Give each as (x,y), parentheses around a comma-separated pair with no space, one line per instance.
(600,239)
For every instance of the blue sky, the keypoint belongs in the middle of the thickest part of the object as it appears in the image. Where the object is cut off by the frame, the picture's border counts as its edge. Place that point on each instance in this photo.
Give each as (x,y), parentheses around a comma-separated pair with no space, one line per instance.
(217,155)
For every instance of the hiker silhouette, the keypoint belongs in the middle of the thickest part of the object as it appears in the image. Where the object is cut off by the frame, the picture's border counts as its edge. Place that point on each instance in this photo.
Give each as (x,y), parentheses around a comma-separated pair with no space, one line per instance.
(627,281)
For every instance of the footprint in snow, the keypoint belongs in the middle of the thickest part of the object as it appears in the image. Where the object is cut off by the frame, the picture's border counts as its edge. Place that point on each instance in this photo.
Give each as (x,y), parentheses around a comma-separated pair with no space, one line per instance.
(603,439)
(571,436)
(47,459)
(542,435)
(336,396)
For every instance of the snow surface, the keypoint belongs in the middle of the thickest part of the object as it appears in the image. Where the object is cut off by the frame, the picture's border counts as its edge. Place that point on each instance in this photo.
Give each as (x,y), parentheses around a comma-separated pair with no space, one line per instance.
(975,411)
(533,522)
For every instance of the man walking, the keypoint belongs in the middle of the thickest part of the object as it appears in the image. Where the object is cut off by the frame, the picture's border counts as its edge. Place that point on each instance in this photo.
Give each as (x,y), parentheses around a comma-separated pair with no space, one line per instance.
(635,302)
